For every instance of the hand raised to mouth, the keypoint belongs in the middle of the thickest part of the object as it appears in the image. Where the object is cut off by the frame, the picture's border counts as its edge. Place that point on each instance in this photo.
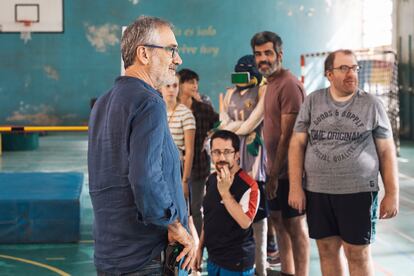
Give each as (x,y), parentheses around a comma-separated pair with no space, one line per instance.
(224,179)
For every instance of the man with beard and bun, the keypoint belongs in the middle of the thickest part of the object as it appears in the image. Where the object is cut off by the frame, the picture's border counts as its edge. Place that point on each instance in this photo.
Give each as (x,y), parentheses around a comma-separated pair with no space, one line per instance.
(134,165)
(243,114)
(230,205)
(283,98)
(342,139)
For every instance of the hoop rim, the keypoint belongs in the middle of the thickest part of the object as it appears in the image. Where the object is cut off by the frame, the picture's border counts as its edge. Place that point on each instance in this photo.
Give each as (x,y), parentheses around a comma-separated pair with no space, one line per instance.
(26,23)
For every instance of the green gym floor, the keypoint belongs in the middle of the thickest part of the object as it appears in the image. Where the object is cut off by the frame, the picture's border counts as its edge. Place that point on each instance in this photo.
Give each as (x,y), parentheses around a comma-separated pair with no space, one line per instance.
(393,250)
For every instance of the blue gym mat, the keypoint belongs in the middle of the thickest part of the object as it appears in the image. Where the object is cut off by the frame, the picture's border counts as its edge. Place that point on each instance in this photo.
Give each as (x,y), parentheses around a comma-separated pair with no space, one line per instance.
(40,207)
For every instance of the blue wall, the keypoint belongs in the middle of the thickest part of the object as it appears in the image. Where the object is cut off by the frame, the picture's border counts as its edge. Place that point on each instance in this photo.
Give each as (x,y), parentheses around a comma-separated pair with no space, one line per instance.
(50,79)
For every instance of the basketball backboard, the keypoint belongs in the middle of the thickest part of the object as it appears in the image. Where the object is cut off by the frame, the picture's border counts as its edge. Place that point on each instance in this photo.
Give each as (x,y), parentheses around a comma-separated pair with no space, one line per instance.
(31,16)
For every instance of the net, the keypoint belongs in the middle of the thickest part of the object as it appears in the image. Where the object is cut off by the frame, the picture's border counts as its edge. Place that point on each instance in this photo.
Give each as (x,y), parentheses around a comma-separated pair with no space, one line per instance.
(26,35)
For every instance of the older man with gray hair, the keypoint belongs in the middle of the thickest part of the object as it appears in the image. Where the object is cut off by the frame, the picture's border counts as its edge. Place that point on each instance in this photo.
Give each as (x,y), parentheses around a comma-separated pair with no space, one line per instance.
(134,166)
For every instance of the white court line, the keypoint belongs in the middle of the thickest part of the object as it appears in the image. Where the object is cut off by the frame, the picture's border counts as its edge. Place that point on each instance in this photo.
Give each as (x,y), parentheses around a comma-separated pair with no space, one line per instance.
(403,160)
(406,199)
(404,235)
(405,212)
(401,175)
(409,238)
(395,249)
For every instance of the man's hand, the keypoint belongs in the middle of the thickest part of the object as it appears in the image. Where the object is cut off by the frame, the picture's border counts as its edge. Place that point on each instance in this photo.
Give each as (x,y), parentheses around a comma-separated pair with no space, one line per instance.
(224,180)
(177,233)
(271,188)
(297,199)
(389,206)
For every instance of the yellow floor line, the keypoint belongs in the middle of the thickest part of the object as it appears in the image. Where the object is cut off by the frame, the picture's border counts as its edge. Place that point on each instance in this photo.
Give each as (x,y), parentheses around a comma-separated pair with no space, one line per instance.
(51,268)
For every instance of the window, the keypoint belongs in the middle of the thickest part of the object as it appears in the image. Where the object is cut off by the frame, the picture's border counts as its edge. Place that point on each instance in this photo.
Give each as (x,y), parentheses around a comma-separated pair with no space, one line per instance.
(376,23)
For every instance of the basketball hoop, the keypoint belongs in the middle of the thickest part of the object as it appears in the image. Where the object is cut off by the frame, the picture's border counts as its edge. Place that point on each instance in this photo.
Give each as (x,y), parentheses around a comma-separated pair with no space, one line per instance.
(26,34)
(27,23)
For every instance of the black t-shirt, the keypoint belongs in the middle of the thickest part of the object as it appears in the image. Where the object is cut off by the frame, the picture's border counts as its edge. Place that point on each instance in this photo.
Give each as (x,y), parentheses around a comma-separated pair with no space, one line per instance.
(228,245)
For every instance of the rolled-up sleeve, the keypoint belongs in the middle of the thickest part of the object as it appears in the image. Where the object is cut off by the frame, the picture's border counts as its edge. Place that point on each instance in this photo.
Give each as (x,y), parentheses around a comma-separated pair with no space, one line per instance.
(153,195)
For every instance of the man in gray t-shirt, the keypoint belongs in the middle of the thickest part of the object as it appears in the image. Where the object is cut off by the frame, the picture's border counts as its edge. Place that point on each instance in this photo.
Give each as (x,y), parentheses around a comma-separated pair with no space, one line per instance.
(342,138)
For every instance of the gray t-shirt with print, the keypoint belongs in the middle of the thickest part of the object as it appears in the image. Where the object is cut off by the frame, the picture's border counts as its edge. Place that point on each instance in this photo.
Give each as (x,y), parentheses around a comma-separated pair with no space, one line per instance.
(341,156)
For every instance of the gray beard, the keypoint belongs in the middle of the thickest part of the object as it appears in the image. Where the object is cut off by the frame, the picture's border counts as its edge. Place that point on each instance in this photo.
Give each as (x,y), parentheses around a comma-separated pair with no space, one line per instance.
(269,72)
(266,74)
(272,69)
(160,81)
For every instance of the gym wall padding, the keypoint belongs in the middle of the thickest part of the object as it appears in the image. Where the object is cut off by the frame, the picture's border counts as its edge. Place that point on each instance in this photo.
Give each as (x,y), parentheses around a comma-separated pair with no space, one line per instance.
(19,141)
(40,207)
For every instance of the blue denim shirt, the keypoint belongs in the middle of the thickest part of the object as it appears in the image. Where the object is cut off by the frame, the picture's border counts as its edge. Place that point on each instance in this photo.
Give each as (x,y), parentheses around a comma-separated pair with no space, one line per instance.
(134,176)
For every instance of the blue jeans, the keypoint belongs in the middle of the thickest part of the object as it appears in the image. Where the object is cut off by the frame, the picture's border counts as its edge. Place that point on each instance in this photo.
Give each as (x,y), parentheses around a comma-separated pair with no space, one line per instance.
(154,268)
(215,270)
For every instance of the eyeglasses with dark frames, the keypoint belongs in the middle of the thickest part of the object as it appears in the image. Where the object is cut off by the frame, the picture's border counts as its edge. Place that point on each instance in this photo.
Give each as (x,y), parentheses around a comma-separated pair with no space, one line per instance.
(173,50)
(345,68)
(218,153)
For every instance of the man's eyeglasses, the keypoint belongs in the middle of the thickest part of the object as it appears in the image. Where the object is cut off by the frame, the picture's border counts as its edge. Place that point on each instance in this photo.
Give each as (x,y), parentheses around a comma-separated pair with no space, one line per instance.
(218,153)
(173,50)
(345,68)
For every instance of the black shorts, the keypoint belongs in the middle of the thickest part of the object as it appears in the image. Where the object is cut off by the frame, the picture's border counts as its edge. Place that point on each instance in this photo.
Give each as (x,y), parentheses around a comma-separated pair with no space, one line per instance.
(280,203)
(263,210)
(349,216)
